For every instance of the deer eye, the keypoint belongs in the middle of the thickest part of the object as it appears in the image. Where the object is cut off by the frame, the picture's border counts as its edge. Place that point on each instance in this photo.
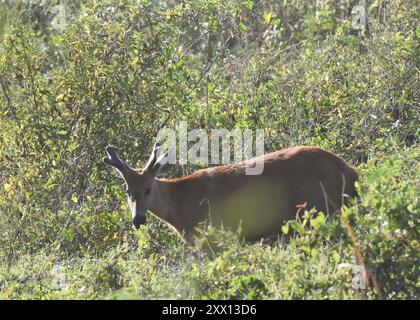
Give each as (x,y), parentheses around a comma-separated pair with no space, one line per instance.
(147,192)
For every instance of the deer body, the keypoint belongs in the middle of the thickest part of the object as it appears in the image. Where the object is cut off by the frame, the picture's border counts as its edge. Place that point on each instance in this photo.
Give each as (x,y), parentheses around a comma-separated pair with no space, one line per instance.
(294,177)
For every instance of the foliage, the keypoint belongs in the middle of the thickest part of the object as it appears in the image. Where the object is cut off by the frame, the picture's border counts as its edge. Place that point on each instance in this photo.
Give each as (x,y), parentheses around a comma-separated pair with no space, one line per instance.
(120,70)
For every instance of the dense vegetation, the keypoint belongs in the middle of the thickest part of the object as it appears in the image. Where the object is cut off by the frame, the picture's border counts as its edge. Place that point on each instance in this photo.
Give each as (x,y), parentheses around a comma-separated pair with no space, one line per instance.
(114,72)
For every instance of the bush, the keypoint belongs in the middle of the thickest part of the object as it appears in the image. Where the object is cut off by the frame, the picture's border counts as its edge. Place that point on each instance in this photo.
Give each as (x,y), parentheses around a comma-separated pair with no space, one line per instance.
(121,70)
(388,225)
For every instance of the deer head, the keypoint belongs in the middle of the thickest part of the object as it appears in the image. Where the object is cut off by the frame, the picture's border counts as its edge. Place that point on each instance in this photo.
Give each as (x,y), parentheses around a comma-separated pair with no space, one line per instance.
(140,184)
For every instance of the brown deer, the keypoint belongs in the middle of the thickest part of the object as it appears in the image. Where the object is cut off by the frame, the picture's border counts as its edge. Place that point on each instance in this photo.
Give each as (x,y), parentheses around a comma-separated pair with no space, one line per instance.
(293,178)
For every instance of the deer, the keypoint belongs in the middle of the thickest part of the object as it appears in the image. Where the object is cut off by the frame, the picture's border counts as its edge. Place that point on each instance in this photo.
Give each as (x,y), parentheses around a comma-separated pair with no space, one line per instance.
(293,178)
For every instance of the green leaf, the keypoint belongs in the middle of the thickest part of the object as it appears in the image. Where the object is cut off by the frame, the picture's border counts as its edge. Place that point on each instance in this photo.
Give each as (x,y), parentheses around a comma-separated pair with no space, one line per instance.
(275,21)
(297,226)
(249,4)
(319,221)
(285,228)
(267,17)
(243,26)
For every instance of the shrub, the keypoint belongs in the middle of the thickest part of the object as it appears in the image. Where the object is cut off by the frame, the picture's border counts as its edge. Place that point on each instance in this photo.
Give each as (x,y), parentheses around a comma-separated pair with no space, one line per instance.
(121,70)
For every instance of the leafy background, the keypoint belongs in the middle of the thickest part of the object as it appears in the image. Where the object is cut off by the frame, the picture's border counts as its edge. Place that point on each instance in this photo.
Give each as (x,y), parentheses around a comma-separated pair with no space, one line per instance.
(114,72)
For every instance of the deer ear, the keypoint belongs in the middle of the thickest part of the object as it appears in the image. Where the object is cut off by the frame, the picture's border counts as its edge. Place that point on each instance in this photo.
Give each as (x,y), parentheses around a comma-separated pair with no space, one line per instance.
(161,161)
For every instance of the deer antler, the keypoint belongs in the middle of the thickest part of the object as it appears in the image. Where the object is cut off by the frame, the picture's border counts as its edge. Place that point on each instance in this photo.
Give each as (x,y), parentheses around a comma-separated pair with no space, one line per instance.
(153,157)
(114,160)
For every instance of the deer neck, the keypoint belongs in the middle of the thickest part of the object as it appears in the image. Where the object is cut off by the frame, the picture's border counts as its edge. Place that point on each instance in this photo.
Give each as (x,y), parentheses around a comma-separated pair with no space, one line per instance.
(164,206)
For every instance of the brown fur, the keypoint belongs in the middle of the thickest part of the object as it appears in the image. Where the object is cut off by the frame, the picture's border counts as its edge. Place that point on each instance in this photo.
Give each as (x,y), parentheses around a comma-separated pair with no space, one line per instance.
(291,178)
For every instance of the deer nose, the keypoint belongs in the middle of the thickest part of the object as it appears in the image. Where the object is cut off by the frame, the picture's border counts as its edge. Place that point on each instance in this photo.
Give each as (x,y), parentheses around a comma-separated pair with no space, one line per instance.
(138,220)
